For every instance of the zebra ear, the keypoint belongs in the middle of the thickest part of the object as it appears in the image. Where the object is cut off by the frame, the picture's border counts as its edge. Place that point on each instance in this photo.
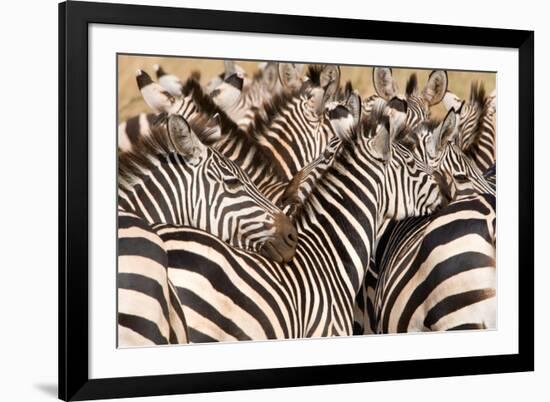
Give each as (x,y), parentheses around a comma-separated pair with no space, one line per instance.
(397,115)
(184,140)
(384,85)
(435,89)
(289,76)
(270,75)
(330,80)
(354,105)
(447,130)
(229,68)
(380,144)
(156,97)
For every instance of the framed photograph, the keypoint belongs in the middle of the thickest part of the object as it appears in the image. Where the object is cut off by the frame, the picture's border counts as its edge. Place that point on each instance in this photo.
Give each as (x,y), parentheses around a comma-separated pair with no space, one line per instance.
(257,200)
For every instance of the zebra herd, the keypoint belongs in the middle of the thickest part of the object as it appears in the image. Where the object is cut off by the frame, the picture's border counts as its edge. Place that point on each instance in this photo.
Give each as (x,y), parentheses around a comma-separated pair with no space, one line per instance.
(285,205)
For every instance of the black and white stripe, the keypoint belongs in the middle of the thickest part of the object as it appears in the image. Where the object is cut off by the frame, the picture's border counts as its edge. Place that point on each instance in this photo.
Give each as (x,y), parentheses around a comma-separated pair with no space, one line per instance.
(172,177)
(438,273)
(394,277)
(230,294)
(149,311)
(477,125)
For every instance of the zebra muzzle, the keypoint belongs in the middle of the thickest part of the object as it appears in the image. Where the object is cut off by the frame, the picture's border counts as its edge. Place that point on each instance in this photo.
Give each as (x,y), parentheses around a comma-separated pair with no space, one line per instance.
(282,246)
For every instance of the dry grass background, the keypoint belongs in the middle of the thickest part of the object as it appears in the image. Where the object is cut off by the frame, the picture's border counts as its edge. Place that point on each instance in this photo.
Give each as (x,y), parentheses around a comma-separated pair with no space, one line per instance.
(130,101)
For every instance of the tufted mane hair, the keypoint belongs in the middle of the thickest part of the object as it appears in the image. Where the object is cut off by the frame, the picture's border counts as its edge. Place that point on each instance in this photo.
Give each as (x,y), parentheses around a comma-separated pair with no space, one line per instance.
(228,127)
(412,84)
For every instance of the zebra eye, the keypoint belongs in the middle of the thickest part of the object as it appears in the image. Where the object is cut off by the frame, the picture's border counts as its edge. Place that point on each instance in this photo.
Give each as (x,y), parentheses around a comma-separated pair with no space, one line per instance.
(232,183)
(411,163)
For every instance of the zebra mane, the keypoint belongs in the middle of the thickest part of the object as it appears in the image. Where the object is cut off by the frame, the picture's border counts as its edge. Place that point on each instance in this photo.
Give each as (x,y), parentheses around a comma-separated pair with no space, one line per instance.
(478,101)
(208,109)
(412,84)
(145,155)
(264,118)
(477,94)
(314,73)
(258,75)
(295,186)
(149,152)
(344,93)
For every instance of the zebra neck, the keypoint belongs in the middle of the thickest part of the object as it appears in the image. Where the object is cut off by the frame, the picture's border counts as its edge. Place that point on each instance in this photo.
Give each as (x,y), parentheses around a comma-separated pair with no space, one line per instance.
(291,133)
(244,150)
(341,212)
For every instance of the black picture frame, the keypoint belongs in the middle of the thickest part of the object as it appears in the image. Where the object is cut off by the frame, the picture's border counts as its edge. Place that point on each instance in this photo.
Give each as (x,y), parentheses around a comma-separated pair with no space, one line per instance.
(74,19)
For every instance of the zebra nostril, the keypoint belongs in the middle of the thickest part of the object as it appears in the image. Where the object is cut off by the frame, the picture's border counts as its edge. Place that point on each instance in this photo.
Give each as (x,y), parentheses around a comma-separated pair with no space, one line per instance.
(282,246)
(288,237)
(291,237)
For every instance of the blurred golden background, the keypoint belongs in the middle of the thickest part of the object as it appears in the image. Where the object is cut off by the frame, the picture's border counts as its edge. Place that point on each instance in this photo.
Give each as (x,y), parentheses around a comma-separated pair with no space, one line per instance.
(130,102)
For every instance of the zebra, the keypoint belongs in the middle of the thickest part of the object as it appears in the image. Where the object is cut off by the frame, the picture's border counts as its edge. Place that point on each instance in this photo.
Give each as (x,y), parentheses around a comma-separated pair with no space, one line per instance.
(172,177)
(160,101)
(477,124)
(448,157)
(418,102)
(242,102)
(440,274)
(290,131)
(169,82)
(149,310)
(230,67)
(293,128)
(290,126)
(232,294)
(450,161)
(416,237)
(344,115)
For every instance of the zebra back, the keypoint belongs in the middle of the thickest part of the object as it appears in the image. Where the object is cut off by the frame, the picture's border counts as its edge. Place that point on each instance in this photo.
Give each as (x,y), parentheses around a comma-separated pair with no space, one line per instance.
(149,311)
(438,273)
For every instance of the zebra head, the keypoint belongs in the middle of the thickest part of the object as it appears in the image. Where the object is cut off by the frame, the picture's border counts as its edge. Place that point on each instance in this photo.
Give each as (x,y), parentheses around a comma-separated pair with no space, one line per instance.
(228,93)
(446,156)
(230,68)
(419,101)
(345,114)
(156,96)
(410,186)
(170,82)
(318,86)
(173,178)
(469,113)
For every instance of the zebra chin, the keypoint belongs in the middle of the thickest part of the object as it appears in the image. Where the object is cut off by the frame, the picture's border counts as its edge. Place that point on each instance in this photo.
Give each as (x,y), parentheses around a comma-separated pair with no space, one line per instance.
(282,246)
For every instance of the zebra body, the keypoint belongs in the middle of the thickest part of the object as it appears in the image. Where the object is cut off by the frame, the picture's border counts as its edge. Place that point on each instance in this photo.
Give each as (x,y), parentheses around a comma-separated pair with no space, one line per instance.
(417,236)
(149,311)
(438,144)
(440,274)
(230,294)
